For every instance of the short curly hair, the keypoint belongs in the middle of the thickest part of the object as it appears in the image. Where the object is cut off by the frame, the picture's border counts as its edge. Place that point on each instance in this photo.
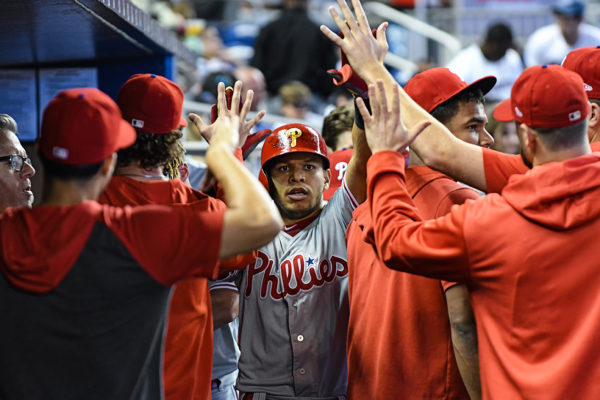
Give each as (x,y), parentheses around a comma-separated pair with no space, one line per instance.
(337,122)
(155,150)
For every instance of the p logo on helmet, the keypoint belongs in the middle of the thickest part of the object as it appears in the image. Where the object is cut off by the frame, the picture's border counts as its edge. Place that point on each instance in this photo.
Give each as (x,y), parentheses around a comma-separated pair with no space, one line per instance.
(294,133)
(291,138)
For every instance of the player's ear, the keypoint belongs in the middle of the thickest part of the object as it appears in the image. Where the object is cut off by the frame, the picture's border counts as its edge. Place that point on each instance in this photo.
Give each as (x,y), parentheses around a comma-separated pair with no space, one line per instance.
(327,178)
(108,166)
(594,115)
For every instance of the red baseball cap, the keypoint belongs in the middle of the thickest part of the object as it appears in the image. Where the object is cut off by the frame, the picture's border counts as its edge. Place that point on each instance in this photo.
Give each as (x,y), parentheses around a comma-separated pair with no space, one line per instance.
(503,112)
(83,126)
(152,103)
(434,86)
(545,96)
(586,62)
(338,161)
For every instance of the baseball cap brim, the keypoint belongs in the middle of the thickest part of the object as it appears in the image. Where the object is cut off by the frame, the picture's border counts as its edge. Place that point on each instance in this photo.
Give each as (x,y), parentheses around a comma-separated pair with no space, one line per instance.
(484,84)
(183,122)
(503,112)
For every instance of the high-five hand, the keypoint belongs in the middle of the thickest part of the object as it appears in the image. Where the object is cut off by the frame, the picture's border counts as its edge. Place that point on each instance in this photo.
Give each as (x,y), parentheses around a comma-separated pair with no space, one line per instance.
(225,109)
(383,126)
(364,52)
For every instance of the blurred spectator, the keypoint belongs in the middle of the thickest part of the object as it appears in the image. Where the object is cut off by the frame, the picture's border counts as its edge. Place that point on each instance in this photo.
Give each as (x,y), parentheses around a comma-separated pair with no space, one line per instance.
(209,85)
(506,138)
(295,103)
(253,79)
(337,128)
(293,48)
(214,54)
(550,44)
(495,56)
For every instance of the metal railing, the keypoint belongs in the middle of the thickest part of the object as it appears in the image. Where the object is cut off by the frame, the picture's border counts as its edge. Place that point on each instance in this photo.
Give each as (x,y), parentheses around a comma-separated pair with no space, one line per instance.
(449,43)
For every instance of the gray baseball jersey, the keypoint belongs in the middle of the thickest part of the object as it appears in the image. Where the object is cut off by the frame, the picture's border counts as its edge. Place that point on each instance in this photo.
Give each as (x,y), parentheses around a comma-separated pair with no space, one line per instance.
(294,309)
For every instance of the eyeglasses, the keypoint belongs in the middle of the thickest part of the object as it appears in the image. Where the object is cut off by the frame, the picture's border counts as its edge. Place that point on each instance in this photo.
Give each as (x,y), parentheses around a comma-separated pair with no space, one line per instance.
(17,162)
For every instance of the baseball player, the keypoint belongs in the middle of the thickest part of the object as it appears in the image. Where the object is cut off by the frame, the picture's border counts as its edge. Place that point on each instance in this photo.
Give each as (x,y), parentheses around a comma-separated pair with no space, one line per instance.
(16,170)
(85,287)
(489,170)
(527,348)
(153,105)
(293,299)
(419,320)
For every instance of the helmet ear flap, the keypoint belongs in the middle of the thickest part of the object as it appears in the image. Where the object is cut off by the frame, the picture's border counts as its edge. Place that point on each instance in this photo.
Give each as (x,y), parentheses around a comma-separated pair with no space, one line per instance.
(262,178)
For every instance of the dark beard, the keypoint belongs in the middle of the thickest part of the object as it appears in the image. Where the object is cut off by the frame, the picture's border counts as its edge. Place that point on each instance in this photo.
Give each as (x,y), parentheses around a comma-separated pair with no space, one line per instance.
(525,161)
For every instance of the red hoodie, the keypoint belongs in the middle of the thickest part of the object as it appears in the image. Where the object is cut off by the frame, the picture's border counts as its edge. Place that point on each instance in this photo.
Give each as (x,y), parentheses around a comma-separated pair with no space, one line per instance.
(499,167)
(84,291)
(189,341)
(534,284)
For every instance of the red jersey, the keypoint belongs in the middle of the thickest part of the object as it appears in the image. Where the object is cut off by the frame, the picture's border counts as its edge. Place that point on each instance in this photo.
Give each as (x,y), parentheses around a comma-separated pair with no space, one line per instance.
(499,167)
(84,291)
(189,340)
(399,342)
(533,281)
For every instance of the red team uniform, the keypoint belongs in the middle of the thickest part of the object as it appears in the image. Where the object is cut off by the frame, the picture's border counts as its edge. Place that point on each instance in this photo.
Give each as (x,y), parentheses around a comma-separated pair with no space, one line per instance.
(189,339)
(525,349)
(399,342)
(499,167)
(94,301)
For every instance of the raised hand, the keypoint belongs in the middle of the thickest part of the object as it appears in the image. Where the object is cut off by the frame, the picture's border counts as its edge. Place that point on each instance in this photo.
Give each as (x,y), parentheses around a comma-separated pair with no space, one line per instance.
(364,52)
(226,99)
(384,129)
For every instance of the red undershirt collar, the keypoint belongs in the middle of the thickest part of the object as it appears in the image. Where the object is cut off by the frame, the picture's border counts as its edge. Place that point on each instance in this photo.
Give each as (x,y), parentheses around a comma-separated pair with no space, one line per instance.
(295,228)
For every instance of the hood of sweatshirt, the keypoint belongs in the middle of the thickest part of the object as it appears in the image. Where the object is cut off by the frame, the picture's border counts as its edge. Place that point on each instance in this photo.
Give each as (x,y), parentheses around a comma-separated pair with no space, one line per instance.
(125,191)
(41,244)
(558,195)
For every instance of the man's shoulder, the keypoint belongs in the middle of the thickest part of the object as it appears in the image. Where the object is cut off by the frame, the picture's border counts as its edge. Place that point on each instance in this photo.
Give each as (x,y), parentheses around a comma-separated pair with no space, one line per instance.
(543,34)
(419,176)
(592,32)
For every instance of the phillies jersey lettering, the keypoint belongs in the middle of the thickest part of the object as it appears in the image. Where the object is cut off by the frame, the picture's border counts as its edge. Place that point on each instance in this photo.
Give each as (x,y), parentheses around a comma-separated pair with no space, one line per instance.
(294,274)
(294,309)
(341,168)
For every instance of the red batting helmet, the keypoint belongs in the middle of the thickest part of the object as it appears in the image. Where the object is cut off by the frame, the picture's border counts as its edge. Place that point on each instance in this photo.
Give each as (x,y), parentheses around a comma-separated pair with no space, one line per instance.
(294,138)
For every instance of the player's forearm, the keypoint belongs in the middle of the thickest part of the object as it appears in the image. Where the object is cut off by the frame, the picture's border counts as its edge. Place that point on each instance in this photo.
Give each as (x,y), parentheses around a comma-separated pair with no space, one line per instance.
(467,359)
(356,175)
(252,219)
(225,306)
(464,338)
(433,145)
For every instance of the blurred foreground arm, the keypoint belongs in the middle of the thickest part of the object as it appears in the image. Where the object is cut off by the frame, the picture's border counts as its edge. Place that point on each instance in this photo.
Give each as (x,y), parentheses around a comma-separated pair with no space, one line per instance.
(251,220)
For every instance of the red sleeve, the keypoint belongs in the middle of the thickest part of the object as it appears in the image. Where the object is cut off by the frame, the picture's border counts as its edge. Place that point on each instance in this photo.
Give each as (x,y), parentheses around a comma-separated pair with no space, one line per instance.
(170,243)
(220,194)
(433,248)
(237,262)
(457,196)
(498,167)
